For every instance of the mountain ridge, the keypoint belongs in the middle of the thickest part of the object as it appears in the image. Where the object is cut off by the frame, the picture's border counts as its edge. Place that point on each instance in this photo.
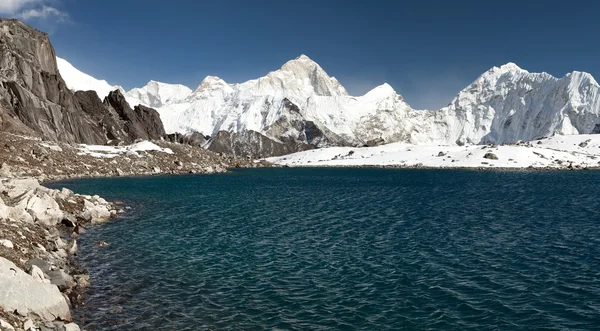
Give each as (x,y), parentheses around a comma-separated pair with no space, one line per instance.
(503,105)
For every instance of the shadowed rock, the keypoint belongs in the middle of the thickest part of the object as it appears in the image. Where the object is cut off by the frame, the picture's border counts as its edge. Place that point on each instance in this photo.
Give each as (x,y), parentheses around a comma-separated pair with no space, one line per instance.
(34,99)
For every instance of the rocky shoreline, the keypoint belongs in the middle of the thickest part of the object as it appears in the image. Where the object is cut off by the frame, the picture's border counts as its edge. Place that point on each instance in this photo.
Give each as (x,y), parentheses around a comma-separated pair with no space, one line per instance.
(39,227)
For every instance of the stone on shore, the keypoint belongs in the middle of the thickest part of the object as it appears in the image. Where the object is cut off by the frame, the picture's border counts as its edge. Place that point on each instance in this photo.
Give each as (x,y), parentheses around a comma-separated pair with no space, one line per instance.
(38,275)
(22,293)
(72,327)
(95,212)
(4,325)
(6,243)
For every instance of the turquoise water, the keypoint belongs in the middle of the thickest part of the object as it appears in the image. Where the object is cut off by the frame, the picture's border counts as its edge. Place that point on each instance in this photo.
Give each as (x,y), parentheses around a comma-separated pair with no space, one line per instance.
(346,249)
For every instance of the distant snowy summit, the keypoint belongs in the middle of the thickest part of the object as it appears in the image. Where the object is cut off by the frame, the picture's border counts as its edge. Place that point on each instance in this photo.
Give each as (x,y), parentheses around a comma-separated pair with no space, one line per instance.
(299,106)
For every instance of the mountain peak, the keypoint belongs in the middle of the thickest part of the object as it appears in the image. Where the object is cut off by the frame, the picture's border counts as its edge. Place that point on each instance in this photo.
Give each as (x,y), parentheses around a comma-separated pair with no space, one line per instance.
(303,57)
(510,66)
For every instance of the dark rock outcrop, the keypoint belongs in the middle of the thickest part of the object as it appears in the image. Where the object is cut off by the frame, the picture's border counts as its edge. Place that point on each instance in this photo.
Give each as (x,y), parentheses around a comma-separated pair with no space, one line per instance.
(251,144)
(34,99)
(193,139)
(139,122)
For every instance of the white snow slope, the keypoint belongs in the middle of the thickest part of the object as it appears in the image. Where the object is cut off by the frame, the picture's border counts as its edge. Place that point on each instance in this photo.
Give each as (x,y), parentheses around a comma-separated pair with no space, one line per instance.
(77,80)
(504,105)
(554,152)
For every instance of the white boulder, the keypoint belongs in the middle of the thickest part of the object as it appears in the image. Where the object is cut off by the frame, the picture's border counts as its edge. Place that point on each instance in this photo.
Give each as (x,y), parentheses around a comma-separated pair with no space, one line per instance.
(95,212)
(6,243)
(20,292)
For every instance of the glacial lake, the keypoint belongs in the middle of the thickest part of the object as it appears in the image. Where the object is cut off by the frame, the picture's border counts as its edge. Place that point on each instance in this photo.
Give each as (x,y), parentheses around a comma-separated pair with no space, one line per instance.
(346,249)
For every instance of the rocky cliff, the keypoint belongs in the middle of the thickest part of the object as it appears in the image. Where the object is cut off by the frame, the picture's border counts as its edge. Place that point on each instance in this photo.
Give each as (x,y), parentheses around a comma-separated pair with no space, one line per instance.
(34,99)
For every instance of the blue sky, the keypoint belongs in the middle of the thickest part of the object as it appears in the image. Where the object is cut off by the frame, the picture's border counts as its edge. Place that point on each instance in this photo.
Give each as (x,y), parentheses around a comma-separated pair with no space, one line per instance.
(427,50)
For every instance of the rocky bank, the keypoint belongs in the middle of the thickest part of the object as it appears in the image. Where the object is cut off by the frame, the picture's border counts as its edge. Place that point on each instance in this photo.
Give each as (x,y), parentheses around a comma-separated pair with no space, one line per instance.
(48,132)
(38,240)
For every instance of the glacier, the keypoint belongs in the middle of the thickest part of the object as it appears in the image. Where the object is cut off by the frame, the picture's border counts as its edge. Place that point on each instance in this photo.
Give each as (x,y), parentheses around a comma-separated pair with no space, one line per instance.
(300,102)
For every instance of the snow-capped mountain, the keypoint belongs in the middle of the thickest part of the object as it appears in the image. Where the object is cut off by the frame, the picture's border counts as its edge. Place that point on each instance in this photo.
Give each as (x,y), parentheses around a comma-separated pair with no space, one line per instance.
(154,94)
(507,104)
(301,104)
(157,94)
(79,81)
(261,103)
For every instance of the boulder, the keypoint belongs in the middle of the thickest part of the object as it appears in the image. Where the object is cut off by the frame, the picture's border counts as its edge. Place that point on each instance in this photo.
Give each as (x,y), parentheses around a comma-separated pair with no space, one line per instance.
(6,243)
(61,279)
(21,293)
(39,275)
(72,247)
(43,208)
(28,325)
(72,327)
(95,213)
(5,170)
(43,265)
(490,156)
(4,211)
(4,325)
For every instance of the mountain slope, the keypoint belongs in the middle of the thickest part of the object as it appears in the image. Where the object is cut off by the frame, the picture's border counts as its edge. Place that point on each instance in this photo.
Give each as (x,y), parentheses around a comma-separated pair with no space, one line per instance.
(79,81)
(507,104)
(157,94)
(301,105)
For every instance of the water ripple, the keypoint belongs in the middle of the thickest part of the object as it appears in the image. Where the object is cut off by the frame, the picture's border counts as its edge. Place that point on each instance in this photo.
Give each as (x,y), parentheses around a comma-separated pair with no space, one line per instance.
(323,249)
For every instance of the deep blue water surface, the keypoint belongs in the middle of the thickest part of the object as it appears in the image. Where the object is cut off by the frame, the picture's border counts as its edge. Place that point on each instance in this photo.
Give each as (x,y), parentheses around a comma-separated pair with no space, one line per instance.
(346,249)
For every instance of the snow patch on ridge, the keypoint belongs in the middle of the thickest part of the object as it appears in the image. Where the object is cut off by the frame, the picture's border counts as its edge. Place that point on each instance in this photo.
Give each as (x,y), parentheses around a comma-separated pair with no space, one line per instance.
(102,151)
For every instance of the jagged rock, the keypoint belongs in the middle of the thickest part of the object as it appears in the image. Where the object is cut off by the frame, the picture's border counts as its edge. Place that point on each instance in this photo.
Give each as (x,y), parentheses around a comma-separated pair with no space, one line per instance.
(23,294)
(35,101)
(34,97)
(140,122)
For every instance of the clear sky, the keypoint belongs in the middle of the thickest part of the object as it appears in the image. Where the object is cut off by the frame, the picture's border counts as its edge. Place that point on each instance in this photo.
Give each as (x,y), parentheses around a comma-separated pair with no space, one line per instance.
(427,50)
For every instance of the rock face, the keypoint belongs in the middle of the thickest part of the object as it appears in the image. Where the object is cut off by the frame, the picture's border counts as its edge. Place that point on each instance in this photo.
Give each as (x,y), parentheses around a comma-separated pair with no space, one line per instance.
(251,144)
(34,99)
(193,139)
(22,293)
(141,122)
